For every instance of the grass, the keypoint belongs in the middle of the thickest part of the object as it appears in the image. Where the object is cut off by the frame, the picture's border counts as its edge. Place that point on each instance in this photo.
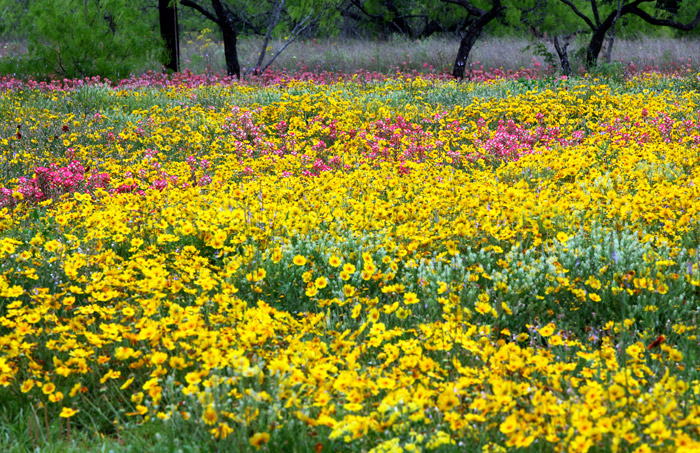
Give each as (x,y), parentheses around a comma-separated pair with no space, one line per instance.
(428,55)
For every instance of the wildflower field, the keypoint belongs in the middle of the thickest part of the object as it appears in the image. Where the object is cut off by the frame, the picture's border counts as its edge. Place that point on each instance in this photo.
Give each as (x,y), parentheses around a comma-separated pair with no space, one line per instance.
(355,263)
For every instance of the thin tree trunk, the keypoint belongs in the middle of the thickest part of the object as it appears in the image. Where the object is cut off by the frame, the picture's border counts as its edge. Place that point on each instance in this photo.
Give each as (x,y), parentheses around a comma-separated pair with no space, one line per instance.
(298,29)
(274,20)
(563,56)
(611,40)
(169,32)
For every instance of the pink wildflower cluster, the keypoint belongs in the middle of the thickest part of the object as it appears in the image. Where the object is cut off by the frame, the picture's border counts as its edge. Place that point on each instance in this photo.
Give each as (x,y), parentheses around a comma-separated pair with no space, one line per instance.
(510,141)
(476,73)
(276,77)
(55,181)
(203,165)
(672,68)
(12,83)
(52,182)
(626,130)
(395,139)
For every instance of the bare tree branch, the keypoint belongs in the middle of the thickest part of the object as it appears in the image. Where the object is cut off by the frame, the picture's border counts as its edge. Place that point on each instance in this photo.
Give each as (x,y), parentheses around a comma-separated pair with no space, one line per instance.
(298,29)
(579,14)
(594,7)
(468,6)
(364,11)
(203,11)
(274,20)
(665,22)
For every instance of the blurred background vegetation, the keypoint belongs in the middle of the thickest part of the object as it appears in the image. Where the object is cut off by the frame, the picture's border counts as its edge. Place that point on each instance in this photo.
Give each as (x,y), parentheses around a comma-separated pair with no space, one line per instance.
(118,38)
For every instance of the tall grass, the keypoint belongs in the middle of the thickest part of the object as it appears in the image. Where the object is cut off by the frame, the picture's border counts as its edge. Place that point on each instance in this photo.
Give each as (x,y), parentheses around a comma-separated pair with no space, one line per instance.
(203,52)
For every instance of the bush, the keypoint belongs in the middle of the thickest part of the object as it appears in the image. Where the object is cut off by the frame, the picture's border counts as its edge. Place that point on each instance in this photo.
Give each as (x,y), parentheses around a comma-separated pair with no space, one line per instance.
(77,39)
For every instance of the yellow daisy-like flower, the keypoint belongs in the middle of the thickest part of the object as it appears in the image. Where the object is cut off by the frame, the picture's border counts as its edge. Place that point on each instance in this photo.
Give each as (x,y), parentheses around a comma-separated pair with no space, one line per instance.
(76,388)
(321,282)
(210,416)
(410,298)
(259,439)
(277,255)
(403,313)
(547,330)
(348,290)
(353,407)
(334,261)
(67,412)
(389,309)
(556,340)
(222,431)
(615,392)
(158,358)
(483,307)
(48,388)
(447,400)
(509,425)
(299,260)
(27,385)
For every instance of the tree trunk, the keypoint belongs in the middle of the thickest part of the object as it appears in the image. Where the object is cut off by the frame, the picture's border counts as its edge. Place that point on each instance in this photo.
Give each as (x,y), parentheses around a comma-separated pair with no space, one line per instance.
(563,56)
(231,52)
(470,37)
(228,29)
(595,46)
(465,47)
(611,39)
(169,32)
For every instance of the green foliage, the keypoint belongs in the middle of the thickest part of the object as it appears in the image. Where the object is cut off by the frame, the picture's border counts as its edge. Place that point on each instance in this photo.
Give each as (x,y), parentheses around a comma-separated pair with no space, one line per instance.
(11,13)
(77,38)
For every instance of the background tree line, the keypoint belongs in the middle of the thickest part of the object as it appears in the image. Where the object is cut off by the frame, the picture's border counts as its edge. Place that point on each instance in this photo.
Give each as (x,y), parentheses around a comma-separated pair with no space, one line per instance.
(110,38)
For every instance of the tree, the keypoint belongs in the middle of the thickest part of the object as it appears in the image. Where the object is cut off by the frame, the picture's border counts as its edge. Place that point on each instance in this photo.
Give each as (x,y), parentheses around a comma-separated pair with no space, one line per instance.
(83,38)
(613,13)
(167,11)
(263,18)
(388,16)
(479,19)
(408,18)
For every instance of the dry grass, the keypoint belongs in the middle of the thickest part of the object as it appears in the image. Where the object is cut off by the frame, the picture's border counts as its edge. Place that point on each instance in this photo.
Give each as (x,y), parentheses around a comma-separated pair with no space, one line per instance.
(426,55)
(658,51)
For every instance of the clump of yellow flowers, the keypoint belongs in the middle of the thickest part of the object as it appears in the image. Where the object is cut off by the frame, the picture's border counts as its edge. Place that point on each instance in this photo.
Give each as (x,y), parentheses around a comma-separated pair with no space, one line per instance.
(406,264)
